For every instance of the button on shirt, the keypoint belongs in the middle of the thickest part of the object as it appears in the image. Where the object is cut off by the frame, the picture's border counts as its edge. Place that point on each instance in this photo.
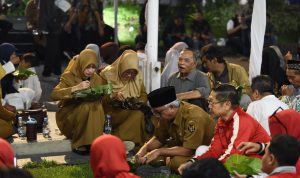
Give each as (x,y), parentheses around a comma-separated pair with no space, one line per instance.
(262,109)
(196,80)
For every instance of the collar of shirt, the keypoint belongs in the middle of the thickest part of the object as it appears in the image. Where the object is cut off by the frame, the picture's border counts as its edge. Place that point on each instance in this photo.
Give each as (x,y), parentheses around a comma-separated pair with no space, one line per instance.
(191,76)
(178,116)
(223,122)
(281,169)
(268,97)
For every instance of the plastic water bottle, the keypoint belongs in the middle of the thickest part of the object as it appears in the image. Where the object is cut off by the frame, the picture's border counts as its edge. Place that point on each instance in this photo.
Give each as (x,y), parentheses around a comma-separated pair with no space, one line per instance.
(46,130)
(108,125)
(21,128)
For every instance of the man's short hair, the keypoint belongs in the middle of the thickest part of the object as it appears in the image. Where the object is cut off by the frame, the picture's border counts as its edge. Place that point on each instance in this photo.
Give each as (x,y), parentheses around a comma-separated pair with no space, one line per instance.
(226,92)
(214,52)
(30,58)
(190,50)
(263,84)
(286,150)
(206,168)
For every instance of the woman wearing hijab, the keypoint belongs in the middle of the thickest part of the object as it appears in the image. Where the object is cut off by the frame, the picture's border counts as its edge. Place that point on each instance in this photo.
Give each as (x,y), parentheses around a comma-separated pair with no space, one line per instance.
(79,120)
(91,46)
(125,77)
(171,62)
(109,52)
(6,155)
(109,163)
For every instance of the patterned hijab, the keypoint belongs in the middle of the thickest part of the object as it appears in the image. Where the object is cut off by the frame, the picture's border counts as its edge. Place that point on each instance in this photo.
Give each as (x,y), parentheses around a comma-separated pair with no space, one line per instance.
(6,154)
(109,161)
(113,72)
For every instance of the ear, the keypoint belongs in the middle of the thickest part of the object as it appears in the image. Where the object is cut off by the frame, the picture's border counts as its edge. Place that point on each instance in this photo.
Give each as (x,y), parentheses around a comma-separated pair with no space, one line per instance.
(272,160)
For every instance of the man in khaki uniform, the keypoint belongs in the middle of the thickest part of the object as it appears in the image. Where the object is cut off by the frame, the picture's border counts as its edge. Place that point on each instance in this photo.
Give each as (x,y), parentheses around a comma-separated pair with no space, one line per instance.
(182,128)
(220,71)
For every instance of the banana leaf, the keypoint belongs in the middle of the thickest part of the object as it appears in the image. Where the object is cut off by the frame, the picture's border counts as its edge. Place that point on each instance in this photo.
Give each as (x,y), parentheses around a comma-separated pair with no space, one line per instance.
(95,92)
(23,73)
(243,165)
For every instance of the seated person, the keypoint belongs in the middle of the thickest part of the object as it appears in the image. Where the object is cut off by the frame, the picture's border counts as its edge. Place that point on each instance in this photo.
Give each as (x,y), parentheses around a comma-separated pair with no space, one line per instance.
(238,34)
(190,83)
(6,155)
(171,62)
(206,168)
(220,71)
(78,119)
(201,31)
(29,61)
(174,32)
(291,93)
(265,103)
(20,99)
(182,128)
(108,158)
(280,156)
(125,77)
(233,127)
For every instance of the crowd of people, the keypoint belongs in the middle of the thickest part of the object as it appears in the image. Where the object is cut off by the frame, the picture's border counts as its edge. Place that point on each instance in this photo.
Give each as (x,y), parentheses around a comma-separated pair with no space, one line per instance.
(205,110)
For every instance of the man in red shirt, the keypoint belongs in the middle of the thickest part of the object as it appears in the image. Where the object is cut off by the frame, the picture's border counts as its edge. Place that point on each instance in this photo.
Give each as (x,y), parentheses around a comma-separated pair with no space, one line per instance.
(234,126)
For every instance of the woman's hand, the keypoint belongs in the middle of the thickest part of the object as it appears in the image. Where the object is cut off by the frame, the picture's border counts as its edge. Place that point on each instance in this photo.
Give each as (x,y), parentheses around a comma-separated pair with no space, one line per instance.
(286,90)
(81,86)
(118,96)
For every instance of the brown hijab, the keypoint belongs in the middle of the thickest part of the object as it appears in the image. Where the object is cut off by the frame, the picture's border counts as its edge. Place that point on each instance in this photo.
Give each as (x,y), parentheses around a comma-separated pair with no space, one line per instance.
(113,72)
(84,59)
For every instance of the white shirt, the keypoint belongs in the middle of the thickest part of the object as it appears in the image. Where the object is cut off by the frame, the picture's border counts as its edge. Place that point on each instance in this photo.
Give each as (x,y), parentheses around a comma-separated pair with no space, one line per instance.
(262,109)
(33,83)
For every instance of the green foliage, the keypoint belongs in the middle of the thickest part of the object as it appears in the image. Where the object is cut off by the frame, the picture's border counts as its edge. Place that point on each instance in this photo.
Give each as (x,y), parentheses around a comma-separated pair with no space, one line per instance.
(218,15)
(243,165)
(128,21)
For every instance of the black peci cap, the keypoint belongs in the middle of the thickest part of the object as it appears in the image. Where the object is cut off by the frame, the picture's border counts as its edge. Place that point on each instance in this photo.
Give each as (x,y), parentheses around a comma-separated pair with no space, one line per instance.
(162,96)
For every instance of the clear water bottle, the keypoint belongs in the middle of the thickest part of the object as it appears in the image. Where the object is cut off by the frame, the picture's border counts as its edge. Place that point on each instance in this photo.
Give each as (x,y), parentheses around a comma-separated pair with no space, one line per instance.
(108,125)
(46,130)
(21,128)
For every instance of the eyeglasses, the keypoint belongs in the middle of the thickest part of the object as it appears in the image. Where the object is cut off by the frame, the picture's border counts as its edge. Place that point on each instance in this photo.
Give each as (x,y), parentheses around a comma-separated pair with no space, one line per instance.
(210,102)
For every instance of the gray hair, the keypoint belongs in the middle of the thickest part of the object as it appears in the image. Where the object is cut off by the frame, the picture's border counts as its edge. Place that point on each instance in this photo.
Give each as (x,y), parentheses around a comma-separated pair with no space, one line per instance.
(175,103)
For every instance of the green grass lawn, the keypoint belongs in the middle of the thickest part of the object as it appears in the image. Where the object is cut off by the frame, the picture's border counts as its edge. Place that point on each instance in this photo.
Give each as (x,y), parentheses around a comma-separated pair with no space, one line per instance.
(51,169)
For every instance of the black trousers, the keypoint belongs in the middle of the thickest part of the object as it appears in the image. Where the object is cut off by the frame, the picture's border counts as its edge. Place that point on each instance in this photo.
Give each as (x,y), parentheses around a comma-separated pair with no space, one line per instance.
(53,55)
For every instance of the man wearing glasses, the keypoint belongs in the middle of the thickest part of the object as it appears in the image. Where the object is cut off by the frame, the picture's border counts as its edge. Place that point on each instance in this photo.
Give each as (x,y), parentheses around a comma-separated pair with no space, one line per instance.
(233,127)
(182,128)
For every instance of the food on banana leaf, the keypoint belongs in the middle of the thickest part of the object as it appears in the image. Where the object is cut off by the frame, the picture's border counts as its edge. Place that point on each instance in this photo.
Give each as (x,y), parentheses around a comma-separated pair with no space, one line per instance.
(243,165)
(97,91)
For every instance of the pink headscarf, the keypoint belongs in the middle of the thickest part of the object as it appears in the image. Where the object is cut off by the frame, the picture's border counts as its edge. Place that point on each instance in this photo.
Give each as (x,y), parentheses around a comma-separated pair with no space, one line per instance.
(6,154)
(108,158)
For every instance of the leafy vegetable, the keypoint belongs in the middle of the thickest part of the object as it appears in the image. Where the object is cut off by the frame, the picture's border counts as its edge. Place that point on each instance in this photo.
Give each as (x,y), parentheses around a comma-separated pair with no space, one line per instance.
(23,73)
(94,92)
(243,165)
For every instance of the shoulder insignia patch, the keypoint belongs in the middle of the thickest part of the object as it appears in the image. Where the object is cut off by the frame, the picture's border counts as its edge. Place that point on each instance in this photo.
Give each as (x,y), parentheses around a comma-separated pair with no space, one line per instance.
(191,126)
